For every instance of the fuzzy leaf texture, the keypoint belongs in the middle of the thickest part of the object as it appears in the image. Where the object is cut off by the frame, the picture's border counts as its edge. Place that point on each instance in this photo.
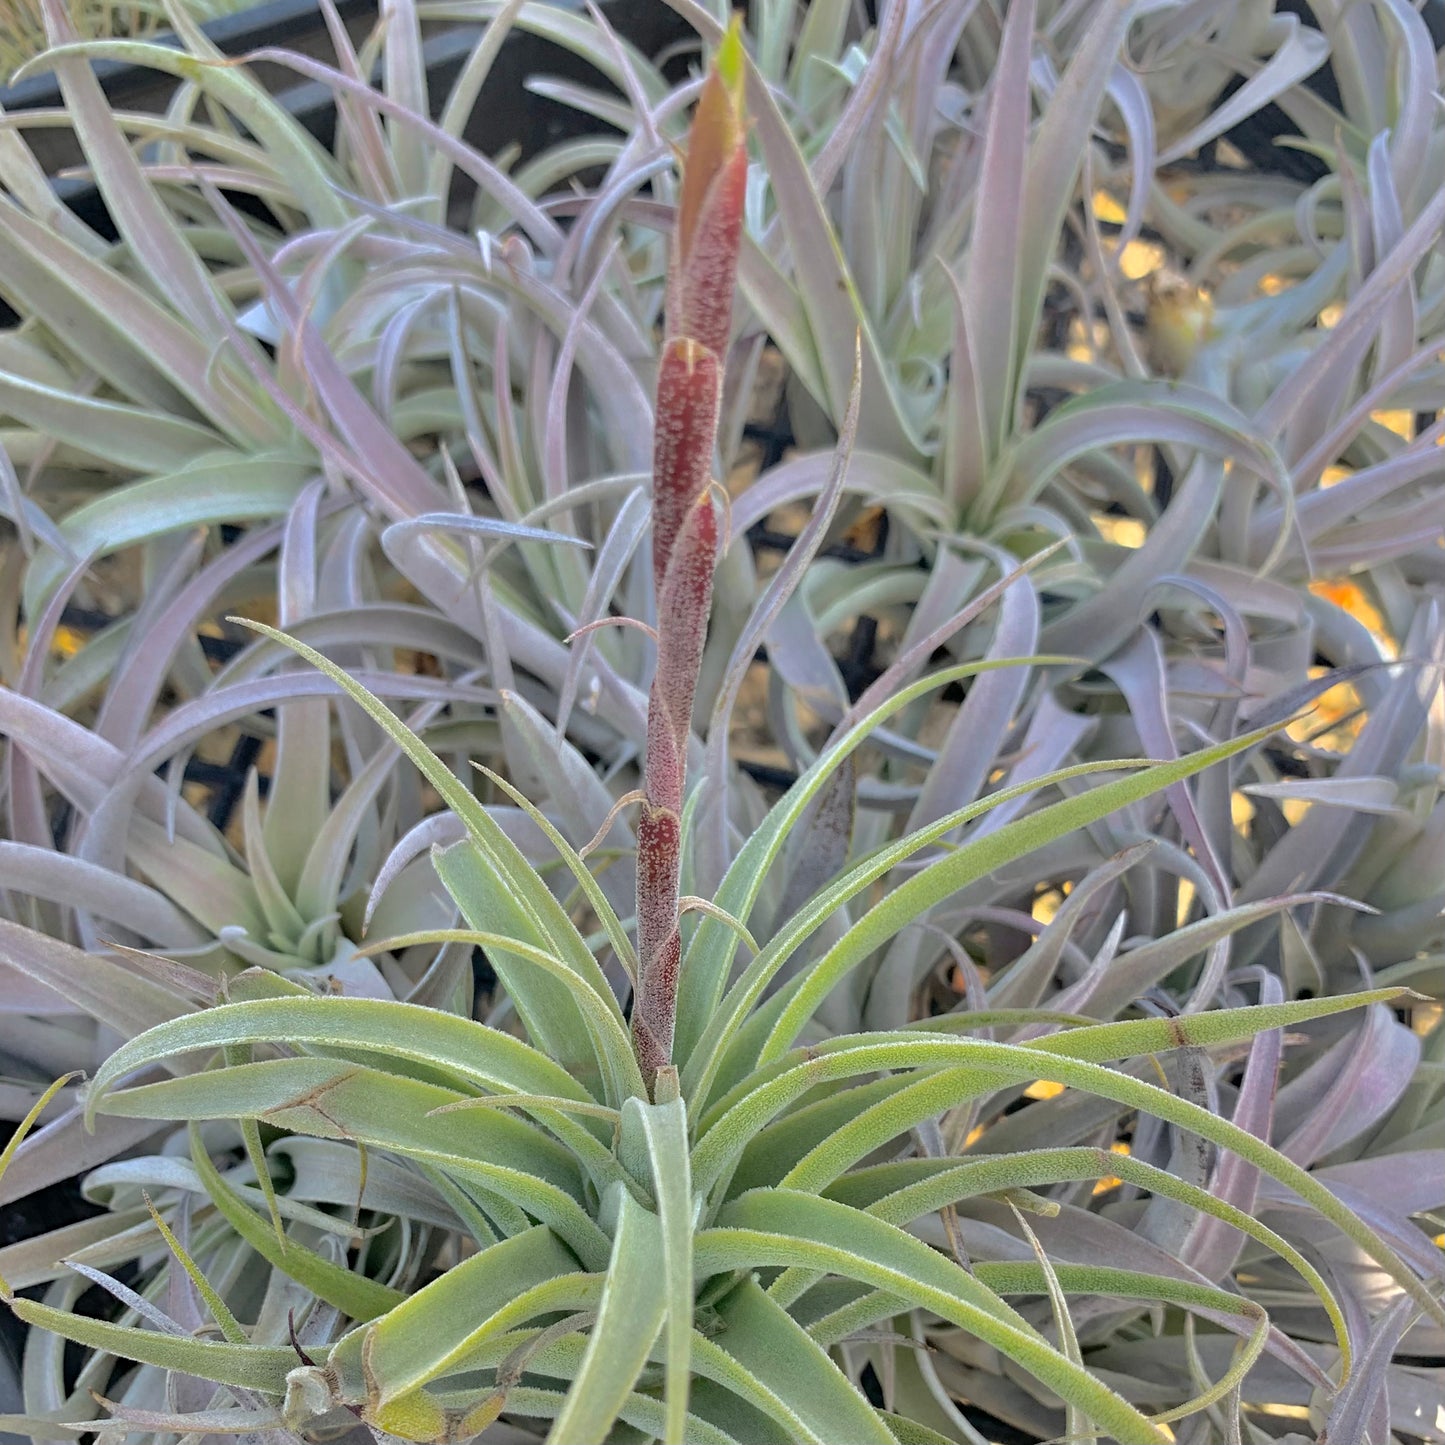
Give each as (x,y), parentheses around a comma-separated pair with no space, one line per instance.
(702,277)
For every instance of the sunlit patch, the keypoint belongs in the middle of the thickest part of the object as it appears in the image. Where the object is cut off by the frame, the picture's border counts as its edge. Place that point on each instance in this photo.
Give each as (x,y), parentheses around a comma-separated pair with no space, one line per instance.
(1241,813)
(1112,1181)
(1334,721)
(1046,905)
(1043,1089)
(1108,210)
(1350,597)
(1331,475)
(1087,343)
(1424,1020)
(1330,315)
(1139,259)
(1121,531)
(1397,420)
(68,641)
(1272,285)
(1186,903)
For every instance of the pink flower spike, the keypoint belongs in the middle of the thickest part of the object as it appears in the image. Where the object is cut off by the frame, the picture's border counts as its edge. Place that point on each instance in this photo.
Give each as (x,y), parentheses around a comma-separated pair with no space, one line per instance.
(689,390)
(702,277)
(703,270)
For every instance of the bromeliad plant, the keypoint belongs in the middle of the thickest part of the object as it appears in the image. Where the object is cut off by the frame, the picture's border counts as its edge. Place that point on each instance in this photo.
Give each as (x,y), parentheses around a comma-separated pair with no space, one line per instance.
(698,1228)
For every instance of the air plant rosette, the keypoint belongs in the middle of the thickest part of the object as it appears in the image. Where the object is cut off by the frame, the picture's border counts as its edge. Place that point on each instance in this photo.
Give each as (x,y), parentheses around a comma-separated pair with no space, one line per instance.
(694,1225)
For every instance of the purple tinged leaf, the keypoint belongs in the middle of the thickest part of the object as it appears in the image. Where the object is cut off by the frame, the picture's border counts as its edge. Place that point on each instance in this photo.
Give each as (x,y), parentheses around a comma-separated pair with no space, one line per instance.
(1131,97)
(578,797)
(1414,1184)
(1357,325)
(154,239)
(1138,670)
(462,99)
(1400,324)
(1353,1085)
(379,461)
(125,335)
(469,525)
(834,313)
(149,1312)
(1130,411)
(869,92)
(993,284)
(152,648)
(1363,795)
(782,313)
(781,587)
(539,228)
(1322,844)
(872,475)
(822,838)
(1213,1247)
(192,720)
(218,488)
(358,123)
(64,1147)
(800,658)
(28,814)
(81,765)
(1052,736)
(127,437)
(60,878)
(439,830)
(404,79)
(965,437)
(1139,969)
(393,352)
(610,376)
(25,179)
(438,575)
(1361,1410)
(1320,507)
(92,984)
(1413,127)
(993,697)
(1298,51)
(910,663)
(1056,155)
(611,561)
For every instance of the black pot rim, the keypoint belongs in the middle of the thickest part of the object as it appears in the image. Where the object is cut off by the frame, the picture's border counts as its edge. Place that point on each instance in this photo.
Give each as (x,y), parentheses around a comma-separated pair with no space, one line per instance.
(273,22)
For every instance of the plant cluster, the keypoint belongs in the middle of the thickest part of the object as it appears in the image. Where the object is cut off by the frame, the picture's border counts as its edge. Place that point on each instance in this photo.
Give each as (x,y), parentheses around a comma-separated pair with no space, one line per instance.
(560,969)
(23,33)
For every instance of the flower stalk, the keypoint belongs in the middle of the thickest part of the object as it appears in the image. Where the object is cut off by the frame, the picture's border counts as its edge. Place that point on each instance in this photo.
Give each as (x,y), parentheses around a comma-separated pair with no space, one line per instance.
(702,276)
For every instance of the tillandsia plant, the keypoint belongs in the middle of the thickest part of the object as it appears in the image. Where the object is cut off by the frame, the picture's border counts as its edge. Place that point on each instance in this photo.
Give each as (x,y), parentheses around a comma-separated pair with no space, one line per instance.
(112,674)
(1213,452)
(702,1229)
(22,23)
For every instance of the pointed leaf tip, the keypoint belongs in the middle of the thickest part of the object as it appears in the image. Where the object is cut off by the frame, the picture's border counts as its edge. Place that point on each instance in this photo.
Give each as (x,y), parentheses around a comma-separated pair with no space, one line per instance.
(729,61)
(714,139)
